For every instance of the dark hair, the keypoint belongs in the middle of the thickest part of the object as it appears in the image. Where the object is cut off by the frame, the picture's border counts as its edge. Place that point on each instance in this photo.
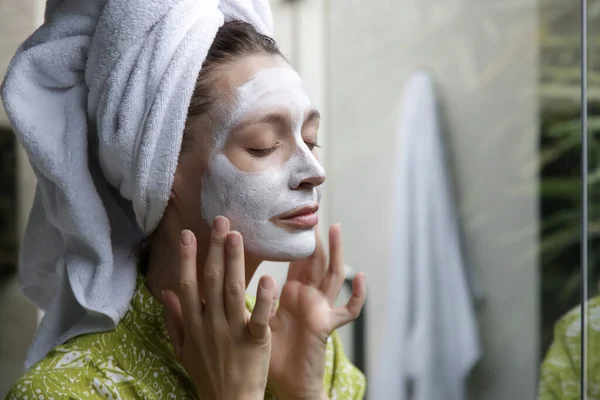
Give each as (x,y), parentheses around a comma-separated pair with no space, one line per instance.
(233,40)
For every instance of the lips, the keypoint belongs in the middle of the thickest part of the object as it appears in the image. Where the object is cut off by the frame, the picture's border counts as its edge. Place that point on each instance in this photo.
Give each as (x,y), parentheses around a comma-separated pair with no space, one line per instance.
(300,218)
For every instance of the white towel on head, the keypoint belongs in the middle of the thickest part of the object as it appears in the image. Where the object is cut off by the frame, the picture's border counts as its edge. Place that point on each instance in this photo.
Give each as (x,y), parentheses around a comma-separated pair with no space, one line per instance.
(98,98)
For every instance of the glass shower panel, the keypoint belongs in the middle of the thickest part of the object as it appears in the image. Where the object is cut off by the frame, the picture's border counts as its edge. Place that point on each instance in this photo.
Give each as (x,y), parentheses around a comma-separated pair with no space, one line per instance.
(564,195)
(590,11)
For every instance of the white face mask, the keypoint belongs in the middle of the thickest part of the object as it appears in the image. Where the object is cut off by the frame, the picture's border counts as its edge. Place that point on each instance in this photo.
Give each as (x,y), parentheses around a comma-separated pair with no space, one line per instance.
(251,199)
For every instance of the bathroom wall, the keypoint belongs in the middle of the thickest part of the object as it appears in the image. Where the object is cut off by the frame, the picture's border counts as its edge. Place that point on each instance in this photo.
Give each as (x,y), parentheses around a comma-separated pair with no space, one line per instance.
(18,315)
(17,21)
(483,54)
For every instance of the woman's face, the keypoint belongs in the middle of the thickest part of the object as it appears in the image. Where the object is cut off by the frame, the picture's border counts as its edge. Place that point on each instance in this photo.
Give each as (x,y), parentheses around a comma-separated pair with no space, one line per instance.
(253,160)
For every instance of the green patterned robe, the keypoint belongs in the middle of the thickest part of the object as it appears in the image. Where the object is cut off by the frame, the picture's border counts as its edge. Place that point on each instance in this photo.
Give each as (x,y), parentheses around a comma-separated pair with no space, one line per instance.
(136,361)
(561,371)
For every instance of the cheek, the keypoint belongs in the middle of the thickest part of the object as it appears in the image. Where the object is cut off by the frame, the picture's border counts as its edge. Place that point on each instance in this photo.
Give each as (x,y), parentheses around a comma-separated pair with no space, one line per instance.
(189,192)
(189,177)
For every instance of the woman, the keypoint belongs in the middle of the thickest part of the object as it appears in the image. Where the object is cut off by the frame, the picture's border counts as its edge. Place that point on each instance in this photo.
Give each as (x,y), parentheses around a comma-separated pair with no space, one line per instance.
(248,153)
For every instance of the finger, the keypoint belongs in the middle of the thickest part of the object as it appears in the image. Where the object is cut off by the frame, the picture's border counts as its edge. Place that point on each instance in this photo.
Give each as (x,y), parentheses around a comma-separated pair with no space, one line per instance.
(235,305)
(352,309)
(275,297)
(173,320)
(334,279)
(188,279)
(296,270)
(317,263)
(258,327)
(214,270)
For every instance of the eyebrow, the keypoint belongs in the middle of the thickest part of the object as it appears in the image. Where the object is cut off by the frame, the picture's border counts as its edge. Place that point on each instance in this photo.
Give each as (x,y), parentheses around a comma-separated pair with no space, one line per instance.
(276,118)
(313,114)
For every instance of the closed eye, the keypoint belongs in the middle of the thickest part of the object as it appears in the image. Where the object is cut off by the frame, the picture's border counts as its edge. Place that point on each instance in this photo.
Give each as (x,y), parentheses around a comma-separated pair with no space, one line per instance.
(311,145)
(261,152)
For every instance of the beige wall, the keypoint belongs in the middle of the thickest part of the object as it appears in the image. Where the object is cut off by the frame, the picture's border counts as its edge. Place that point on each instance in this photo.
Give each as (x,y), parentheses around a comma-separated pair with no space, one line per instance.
(17,20)
(484,58)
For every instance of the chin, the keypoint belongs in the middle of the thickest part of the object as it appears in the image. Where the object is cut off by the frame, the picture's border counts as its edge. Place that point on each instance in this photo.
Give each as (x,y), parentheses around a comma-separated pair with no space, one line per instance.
(287,247)
(287,257)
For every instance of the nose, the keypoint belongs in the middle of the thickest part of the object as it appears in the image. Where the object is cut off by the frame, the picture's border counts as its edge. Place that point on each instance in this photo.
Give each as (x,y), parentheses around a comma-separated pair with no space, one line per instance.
(311,182)
(308,172)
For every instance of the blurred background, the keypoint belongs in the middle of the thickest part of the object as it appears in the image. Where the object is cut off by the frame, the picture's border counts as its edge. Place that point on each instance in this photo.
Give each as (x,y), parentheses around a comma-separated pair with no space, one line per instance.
(507,74)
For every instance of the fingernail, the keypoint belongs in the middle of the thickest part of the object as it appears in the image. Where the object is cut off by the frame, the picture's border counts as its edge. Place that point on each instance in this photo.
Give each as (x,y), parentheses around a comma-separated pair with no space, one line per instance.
(186,237)
(233,239)
(220,225)
(266,284)
(163,295)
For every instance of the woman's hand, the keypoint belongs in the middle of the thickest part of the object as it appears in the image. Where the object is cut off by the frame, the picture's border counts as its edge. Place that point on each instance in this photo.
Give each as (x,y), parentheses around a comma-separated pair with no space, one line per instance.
(306,317)
(223,347)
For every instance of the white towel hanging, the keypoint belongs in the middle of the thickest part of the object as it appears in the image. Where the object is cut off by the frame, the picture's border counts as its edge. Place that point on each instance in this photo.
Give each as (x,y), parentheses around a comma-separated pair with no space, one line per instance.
(430,335)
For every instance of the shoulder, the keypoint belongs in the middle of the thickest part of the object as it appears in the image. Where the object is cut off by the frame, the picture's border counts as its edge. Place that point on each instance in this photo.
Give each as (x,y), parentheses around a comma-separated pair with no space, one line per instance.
(48,384)
(560,370)
(73,370)
(568,328)
(62,374)
(567,332)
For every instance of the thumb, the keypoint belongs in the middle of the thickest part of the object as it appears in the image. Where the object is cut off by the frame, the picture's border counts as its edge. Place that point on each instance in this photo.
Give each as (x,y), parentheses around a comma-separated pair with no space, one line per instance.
(173,320)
